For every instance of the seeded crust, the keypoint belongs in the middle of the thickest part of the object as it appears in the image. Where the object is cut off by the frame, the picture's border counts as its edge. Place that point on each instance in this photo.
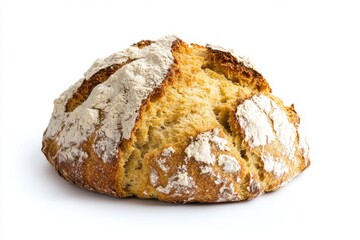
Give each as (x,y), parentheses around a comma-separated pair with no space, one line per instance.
(200,93)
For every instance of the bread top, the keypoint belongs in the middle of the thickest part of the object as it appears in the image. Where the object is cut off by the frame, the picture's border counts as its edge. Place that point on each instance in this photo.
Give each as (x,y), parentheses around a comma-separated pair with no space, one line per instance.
(164,119)
(110,108)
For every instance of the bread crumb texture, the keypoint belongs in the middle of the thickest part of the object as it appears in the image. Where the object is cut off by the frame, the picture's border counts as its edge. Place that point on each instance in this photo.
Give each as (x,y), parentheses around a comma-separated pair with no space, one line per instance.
(177,122)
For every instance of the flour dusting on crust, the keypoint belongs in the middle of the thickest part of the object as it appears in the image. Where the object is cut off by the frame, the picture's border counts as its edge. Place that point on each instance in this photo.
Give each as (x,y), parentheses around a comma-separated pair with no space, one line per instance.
(275,166)
(165,155)
(200,148)
(228,193)
(118,99)
(262,119)
(180,183)
(254,186)
(229,163)
(154,177)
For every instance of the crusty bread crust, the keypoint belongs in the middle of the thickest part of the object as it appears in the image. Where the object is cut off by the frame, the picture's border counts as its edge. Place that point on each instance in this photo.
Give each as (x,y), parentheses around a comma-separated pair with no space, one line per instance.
(194,139)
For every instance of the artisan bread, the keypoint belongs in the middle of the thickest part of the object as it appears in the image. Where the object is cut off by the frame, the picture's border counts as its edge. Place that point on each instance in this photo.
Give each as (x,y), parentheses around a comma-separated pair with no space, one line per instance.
(176,122)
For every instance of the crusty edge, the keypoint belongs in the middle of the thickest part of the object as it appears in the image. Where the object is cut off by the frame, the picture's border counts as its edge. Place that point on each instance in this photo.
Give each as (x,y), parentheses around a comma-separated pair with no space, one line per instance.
(234,70)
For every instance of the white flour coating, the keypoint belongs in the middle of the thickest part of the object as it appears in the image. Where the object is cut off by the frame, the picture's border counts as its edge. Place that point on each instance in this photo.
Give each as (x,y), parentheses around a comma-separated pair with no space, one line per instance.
(162,164)
(166,153)
(275,166)
(84,119)
(200,148)
(228,193)
(180,182)
(218,141)
(219,179)
(241,59)
(285,130)
(209,170)
(255,123)
(206,170)
(254,186)
(200,151)
(154,177)
(229,163)
(262,119)
(118,98)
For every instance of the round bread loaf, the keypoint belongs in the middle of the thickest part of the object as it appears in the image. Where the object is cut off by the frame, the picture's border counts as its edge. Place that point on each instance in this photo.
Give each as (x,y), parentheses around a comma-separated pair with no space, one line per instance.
(177,122)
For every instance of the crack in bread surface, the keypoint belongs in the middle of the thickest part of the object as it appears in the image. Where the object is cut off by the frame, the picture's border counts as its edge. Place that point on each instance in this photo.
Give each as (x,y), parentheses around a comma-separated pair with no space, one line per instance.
(88,85)
(199,98)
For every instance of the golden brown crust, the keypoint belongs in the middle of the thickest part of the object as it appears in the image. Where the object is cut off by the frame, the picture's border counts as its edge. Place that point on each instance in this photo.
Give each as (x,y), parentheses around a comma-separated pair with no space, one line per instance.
(92,173)
(143,43)
(225,63)
(88,85)
(198,96)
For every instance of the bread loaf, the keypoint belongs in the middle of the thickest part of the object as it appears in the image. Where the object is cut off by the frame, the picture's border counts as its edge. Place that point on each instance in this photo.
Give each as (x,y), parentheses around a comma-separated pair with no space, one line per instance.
(176,122)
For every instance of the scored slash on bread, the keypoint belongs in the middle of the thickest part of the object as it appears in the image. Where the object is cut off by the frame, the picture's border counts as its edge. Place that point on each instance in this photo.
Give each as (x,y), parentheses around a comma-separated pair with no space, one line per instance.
(177,122)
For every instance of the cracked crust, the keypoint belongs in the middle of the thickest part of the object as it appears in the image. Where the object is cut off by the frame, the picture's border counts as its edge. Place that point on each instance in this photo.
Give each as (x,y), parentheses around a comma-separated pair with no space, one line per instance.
(200,94)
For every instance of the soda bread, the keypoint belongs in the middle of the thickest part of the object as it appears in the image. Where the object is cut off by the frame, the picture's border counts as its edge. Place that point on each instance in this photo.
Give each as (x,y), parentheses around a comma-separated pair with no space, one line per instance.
(177,122)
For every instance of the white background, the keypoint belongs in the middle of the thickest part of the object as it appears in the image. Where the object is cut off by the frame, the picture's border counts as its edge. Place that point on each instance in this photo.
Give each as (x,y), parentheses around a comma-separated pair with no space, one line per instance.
(308,51)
